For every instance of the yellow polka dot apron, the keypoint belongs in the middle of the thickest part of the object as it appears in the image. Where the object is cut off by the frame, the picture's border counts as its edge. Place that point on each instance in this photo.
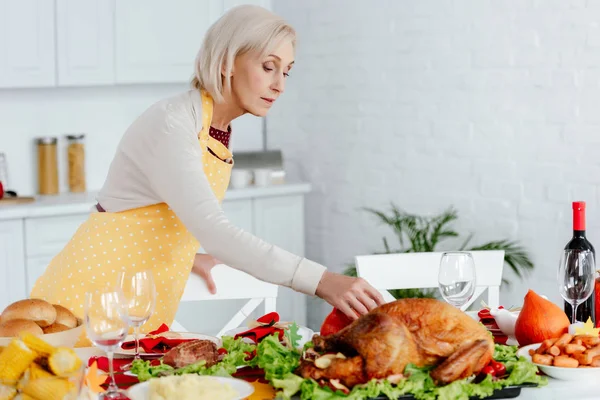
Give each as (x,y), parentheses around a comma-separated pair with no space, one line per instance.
(150,237)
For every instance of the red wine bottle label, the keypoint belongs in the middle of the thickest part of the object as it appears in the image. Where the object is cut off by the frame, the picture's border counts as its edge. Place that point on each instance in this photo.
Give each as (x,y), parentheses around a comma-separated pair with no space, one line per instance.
(579,215)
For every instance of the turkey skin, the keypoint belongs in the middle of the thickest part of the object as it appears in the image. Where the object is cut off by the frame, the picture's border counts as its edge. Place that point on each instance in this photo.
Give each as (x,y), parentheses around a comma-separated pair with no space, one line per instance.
(424,332)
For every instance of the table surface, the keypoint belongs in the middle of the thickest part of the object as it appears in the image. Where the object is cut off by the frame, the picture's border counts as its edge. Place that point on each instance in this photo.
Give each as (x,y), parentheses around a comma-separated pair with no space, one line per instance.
(555,390)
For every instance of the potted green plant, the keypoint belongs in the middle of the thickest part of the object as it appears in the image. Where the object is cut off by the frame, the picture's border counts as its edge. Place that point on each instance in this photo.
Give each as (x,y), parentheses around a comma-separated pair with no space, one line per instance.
(418,234)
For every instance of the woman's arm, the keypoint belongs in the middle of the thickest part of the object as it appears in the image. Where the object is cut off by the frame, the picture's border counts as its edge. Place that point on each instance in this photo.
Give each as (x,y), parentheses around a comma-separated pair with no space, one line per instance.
(170,157)
(163,145)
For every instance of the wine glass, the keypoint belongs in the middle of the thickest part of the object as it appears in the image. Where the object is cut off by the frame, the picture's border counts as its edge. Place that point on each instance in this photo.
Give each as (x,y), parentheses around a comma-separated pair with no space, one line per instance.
(576,277)
(139,294)
(456,277)
(106,325)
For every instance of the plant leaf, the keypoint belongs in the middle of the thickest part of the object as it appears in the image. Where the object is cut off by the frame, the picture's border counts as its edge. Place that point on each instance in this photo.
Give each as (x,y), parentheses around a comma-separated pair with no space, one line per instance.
(425,233)
(517,258)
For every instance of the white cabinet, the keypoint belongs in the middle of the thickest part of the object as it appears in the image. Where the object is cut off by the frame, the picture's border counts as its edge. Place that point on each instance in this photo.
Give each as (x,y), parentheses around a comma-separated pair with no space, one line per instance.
(35,267)
(157,40)
(239,212)
(27,57)
(44,238)
(85,42)
(12,271)
(280,220)
(104,42)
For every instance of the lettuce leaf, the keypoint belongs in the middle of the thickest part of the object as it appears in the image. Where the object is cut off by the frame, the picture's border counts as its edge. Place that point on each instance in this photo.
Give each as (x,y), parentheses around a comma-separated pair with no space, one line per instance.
(144,371)
(504,353)
(276,359)
(418,382)
(237,352)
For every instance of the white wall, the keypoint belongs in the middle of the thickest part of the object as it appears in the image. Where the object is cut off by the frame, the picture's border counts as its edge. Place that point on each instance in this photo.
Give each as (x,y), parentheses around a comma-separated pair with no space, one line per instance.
(488,106)
(102,113)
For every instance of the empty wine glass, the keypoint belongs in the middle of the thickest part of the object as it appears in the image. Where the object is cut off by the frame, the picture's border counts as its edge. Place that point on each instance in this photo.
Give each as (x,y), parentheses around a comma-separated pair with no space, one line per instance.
(576,277)
(456,277)
(139,293)
(106,325)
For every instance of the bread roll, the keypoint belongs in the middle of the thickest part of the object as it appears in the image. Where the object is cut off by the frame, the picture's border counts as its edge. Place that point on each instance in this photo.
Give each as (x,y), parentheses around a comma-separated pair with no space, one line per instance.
(65,317)
(15,327)
(37,310)
(55,327)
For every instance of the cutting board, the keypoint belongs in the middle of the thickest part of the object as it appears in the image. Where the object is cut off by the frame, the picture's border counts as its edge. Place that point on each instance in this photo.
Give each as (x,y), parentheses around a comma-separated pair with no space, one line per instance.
(16,200)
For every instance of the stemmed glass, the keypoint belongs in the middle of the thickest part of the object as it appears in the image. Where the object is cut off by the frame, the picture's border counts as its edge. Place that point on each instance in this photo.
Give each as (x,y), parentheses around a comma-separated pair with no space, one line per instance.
(139,294)
(106,324)
(576,277)
(456,277)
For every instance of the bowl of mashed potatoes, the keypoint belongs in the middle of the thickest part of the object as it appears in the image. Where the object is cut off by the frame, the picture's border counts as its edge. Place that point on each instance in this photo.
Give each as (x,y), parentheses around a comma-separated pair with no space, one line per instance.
(191,387)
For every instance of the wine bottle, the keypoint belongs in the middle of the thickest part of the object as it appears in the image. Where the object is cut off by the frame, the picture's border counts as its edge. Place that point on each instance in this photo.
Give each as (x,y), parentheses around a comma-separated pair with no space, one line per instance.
(579,242)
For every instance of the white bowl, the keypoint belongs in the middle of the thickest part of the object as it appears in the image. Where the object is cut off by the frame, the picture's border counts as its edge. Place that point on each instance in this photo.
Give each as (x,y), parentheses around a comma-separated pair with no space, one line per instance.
(141,391)
(563,374)
(59,339)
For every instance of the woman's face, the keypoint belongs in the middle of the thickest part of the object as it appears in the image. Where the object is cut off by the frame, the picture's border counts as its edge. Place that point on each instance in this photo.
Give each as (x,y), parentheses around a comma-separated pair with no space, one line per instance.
(257,82)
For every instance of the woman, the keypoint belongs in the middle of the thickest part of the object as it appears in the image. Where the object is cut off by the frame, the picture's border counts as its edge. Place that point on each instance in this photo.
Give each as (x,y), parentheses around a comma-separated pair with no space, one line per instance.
(162,195)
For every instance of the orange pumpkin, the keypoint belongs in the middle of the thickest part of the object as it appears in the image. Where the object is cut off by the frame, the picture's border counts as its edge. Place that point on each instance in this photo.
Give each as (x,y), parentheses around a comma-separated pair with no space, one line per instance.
(539,319)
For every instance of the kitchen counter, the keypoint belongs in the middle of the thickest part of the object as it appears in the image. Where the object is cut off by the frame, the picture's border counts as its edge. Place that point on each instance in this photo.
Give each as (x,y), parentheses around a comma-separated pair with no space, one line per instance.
(77,203)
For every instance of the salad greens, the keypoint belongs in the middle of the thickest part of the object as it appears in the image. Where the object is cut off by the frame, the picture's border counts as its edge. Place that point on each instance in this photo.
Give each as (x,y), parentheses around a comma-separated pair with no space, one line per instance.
(280,361)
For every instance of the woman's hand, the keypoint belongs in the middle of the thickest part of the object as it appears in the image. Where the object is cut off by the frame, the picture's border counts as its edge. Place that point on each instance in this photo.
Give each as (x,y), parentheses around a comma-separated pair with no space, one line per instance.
(203,264)
(353,296)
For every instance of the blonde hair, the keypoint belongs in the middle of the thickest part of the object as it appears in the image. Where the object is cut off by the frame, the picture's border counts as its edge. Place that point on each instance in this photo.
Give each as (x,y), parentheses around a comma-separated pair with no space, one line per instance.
(240,30)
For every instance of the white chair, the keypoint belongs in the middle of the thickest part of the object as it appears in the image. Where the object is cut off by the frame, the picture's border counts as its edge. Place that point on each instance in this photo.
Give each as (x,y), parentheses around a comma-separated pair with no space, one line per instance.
(231,285)
(420,270)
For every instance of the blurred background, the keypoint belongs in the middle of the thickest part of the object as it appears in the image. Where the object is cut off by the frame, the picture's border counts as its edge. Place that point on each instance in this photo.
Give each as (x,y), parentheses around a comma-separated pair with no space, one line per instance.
(482,112)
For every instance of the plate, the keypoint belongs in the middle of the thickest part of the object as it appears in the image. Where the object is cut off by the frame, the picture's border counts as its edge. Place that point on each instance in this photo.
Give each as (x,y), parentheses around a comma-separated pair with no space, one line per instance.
(184,335)
(563,374)
(305,333)
(141,391)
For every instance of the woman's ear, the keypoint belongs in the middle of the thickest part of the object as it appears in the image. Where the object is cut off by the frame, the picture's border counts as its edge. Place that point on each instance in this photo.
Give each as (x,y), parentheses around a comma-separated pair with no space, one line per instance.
(224,70)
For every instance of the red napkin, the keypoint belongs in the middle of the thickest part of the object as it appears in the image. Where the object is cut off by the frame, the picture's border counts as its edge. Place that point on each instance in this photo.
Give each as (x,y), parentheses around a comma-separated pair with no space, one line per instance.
(123,381)
(257,334)
(490,323)
(156,345)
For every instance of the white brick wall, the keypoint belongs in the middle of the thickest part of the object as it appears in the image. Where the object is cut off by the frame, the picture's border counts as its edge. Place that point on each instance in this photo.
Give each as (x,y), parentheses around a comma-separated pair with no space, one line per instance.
(489,106)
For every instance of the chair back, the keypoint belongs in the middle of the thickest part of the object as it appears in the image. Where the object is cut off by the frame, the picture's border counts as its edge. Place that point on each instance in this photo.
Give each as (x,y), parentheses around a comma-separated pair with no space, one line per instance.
(420,270)
(231,285)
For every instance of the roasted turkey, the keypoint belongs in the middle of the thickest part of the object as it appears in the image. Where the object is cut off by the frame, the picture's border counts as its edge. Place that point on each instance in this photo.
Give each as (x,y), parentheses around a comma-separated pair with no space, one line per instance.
(382,343)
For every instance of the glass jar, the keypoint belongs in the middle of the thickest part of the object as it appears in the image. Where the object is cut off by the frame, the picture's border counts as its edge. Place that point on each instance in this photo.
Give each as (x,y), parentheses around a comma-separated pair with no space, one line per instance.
(47,165)
(76,161)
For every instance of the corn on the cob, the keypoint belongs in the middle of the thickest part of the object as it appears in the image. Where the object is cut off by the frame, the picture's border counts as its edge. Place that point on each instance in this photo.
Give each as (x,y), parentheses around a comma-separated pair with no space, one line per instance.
(14,360)
(35,371)
(23,396)
(48,389)
(38,345)
(64,361)
(7,392)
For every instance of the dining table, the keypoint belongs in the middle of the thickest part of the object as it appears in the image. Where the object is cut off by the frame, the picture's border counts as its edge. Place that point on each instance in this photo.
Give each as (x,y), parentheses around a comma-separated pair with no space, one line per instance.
(554,390)
(563,390)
